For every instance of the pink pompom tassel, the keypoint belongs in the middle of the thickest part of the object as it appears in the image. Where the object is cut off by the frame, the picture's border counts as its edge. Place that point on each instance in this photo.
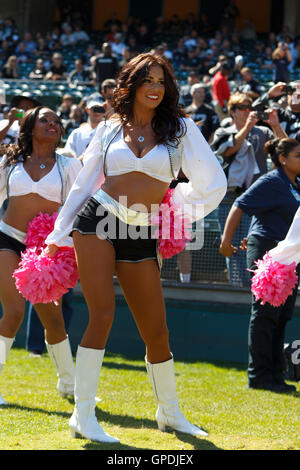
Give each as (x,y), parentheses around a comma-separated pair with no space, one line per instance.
(273,282)
(39,278)
(173,227)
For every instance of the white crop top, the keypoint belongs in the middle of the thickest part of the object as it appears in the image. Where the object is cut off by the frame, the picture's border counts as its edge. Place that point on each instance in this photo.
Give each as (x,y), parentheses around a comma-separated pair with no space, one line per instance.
(49,186)
(120,159)
(206,187)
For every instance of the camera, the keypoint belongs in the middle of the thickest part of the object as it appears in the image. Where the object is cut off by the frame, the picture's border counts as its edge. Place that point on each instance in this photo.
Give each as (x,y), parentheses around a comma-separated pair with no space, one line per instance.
(288,89)
(19,113)
(262,115)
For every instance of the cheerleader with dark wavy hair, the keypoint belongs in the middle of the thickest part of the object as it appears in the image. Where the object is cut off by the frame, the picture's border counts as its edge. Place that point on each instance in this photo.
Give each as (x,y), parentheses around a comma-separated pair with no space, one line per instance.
(128,168)
(34,179)
(272,202)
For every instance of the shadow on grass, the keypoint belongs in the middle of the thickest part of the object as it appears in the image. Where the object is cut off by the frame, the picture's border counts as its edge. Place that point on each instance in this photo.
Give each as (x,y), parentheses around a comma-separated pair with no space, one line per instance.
(124,422)
(114,365)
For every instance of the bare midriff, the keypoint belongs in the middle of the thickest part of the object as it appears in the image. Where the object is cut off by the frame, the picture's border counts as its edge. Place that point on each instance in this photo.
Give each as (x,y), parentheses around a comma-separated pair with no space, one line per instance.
(22,209)
(135,189)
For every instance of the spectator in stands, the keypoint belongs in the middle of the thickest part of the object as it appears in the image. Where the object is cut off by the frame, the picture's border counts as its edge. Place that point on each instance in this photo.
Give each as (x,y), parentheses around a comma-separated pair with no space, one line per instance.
(10,69)
(79,74)
(58,70)
(21,53)
(39,72)
(29,43)
(126,56)
(221,91)
(10,127)
(281,59)
(249,85)
(191,62)
(88,53)
(41,47)
(144,37)
(117,46)
(242,148)
(80,35)
(267,63)
(64,109)
(272,202)
(132,45)
(67,38)
(203,115)
(80,138)
(179,53)
(75,120)
(289,117)
(106,65)
(10,28)
(6,51)
(185,90)
(107,90)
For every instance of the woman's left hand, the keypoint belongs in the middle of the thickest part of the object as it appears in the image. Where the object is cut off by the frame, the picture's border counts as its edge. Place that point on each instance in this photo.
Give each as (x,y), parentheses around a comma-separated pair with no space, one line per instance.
(51,250)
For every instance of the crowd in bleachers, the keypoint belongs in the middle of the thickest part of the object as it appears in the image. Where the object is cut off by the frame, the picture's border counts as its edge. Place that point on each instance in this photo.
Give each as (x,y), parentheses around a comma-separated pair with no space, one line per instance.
(70,59)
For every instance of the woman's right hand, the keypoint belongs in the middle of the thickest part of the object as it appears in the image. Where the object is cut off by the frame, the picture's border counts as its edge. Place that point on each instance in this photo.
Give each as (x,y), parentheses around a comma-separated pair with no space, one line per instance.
(227,250)
(51,250)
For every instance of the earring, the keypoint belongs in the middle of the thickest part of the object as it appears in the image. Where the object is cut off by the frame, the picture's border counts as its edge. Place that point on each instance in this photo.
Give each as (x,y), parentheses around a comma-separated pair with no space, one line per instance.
(284,163)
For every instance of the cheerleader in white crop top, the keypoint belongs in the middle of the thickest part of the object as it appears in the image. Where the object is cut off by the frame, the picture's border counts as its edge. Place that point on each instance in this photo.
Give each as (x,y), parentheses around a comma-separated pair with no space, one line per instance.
(33,179)
(127,169)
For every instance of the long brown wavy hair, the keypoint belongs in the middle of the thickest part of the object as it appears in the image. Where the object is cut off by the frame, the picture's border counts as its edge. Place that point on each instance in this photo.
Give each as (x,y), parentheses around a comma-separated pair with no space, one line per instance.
(23,148)
(166,123)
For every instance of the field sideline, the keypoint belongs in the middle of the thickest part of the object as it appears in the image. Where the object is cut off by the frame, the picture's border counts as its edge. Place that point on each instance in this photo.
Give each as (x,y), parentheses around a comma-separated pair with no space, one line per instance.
(214,396)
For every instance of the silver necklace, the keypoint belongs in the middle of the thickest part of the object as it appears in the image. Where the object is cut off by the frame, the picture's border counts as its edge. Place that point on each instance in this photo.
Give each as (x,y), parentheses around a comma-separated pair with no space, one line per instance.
(141,138)
(42,166)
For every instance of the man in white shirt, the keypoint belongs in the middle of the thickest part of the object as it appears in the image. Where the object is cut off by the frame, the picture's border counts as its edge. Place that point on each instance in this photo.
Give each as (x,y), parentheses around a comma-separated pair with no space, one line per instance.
(80,138)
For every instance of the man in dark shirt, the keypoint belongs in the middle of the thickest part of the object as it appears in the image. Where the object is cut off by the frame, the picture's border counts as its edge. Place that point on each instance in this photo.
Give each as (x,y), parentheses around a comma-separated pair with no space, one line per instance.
(249,85)
(191,61)
(79,74)
(203,115)
(106,65)
(58,70)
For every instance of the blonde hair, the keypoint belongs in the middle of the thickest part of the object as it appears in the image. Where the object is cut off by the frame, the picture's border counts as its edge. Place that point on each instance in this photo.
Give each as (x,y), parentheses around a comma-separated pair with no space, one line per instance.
(238,98)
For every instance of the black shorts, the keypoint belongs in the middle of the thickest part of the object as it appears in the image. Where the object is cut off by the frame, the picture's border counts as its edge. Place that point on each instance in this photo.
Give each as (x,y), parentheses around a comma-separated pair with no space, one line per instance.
(8,243)
(127,249)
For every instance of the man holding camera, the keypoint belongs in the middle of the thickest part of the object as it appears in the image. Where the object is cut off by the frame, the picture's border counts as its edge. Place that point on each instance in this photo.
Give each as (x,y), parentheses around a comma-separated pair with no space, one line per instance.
(241,148)
(289,117)
(80,138)
(9,127)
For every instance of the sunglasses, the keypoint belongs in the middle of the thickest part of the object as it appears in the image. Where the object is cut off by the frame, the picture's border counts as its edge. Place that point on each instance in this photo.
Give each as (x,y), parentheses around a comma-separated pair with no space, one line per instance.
(243,106)
(98,109)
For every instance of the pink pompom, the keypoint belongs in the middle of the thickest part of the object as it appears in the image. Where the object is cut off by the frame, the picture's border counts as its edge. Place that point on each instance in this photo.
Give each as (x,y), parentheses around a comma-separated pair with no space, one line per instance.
(273,282)
(39,229)
(41,279)
(173,227)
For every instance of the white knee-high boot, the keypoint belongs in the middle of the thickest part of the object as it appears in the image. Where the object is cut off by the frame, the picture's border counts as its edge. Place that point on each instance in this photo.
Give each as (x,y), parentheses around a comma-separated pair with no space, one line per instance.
(83,422)
(5,346)
(162,379)
(61,356)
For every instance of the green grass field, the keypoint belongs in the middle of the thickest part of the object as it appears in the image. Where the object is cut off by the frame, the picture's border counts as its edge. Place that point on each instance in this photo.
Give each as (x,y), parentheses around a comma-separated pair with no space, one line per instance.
(214,396)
